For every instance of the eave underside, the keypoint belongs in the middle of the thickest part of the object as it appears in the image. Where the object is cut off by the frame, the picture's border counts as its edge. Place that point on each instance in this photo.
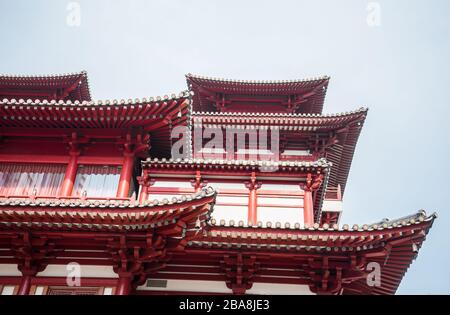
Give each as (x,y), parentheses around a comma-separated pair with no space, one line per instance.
(155,117)
(310,92)
(333,136)
(327,259)
(74,87)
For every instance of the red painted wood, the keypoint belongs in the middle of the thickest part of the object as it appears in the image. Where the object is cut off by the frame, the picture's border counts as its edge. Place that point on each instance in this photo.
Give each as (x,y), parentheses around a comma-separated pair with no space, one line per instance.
(19,158)
(25,285)
(143,196)
(125,176)
(123,286)
(69,177)
(252,206)
(308,209)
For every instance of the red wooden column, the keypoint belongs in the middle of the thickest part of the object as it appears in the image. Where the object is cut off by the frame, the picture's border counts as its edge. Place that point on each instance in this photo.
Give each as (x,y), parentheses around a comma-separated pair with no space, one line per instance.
(308,208)
(198,183)
(72,166)
(311,185)
(252,186)
(133,146)
(125,175)
(145,182)
(25,284)
(124,284)
(28,273)
(69,177)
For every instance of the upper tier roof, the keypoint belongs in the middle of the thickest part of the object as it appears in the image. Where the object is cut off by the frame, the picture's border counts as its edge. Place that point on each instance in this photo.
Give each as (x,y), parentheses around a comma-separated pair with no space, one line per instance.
(286,96)
(344,129)
(73,87)
(155,115)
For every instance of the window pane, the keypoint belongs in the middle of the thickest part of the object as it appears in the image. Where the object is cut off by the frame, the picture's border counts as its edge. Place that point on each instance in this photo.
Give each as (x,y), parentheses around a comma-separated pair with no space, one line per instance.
(96,181)
(20,179)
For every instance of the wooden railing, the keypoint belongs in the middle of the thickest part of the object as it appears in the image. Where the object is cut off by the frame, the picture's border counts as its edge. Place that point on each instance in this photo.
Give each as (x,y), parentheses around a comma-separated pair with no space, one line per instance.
(333,193)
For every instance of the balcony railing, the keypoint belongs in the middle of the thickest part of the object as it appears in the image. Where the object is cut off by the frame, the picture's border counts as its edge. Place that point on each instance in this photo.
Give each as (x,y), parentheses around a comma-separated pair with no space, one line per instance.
(333,193)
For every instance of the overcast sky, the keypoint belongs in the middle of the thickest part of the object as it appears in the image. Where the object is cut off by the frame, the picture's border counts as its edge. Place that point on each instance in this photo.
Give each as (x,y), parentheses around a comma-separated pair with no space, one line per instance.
(392,56)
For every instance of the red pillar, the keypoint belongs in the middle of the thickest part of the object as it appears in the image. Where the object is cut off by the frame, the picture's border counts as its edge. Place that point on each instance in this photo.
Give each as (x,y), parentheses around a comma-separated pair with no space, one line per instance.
(25,285)
(71,174)
(308,208)
(124,285)
(252,206)
(198,181)
(252,199)
(144,193)
(125,176)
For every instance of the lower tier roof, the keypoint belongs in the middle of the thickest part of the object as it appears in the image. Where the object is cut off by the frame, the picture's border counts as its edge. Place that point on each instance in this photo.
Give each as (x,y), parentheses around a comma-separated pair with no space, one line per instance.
(330,259)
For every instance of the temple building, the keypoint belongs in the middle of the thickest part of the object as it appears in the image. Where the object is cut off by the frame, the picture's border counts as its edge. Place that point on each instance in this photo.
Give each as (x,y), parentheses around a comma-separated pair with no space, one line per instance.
(230,187)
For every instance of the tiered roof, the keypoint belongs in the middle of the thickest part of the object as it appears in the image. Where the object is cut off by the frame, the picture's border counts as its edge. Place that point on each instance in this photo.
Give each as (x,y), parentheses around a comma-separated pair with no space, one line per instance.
(328,258)
(155,115)
(295,255)
(310,93)
(103,215)
(244,168)
(188,244)
(295,127)
(71,86)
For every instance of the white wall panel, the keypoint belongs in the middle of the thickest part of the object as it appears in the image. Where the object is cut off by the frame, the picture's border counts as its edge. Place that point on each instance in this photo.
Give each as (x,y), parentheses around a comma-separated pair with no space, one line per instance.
(281,187)
(219,185)
(298,202)
(183,184)
(9,270)
(332,205)
(282,215)
(275,289)
(228,213)
(232,199)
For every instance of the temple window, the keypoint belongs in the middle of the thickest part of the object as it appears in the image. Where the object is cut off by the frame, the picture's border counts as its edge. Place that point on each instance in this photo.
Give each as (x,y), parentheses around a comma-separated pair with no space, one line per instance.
(96,181)
(20,179)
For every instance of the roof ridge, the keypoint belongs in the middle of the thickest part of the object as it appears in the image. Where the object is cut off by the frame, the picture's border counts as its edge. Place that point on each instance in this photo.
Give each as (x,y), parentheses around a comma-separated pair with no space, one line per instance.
(151,99)
(413,219)
(322,162)
(282,115)
(44,76)
(319,78)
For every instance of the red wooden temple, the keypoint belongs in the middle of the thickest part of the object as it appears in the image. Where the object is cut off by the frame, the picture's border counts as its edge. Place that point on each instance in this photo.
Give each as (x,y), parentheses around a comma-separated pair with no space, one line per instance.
(95,200)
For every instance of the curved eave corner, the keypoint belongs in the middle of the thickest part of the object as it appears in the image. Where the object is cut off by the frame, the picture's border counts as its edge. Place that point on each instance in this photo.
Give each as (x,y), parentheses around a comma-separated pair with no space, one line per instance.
(67,215)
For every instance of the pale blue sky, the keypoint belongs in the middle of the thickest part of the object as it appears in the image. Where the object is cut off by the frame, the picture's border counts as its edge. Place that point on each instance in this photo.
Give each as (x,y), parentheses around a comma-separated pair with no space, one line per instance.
(400,70)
